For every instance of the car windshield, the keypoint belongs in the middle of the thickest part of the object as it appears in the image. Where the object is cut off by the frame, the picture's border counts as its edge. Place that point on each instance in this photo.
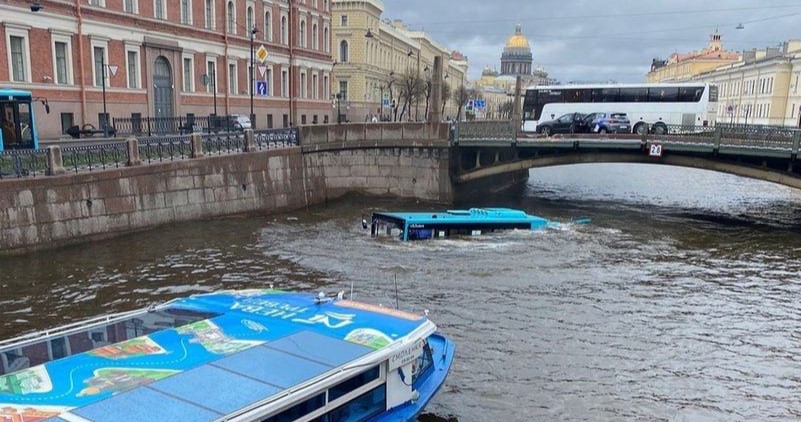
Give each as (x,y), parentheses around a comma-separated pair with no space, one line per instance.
(566,118)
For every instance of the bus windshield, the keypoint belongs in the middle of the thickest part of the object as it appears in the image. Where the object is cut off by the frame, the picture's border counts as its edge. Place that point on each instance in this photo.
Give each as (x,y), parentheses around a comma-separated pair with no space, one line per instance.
(17,129)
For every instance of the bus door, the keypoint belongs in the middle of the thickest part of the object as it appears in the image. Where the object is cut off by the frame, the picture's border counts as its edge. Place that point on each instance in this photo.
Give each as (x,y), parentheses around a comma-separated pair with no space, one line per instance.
(15,121)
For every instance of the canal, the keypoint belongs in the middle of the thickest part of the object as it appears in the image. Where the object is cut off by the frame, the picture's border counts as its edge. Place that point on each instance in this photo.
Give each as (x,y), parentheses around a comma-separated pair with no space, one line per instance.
(681,301)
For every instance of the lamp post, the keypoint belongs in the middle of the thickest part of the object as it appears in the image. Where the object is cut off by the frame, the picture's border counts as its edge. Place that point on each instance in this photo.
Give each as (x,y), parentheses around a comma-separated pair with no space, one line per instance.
(338,100)
(253,32)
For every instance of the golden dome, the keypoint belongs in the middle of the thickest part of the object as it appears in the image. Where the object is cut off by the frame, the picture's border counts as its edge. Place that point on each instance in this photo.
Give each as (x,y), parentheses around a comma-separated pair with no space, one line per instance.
(518,40)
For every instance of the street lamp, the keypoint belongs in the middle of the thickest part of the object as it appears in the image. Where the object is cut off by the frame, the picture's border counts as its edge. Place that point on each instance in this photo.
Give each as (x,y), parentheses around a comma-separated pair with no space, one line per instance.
(103,68)
(253,32)
(338,101)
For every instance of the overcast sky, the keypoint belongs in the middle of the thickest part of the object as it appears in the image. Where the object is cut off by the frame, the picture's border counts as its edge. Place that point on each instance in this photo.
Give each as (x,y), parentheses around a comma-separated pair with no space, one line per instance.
(590,40)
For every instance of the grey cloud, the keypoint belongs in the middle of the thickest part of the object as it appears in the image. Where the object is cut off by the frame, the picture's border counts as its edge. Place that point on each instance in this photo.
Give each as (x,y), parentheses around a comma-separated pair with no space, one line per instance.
(579,40)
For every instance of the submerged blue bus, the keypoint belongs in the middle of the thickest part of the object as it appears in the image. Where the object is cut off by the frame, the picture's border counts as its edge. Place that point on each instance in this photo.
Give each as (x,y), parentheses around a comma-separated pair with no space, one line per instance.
(17,123)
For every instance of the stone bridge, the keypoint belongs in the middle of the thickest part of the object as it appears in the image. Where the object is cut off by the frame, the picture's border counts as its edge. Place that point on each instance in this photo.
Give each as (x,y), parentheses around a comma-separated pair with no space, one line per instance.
(494,151)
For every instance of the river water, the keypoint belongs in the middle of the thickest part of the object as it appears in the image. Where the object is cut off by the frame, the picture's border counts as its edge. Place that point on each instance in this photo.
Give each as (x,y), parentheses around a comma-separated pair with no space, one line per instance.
(681,300)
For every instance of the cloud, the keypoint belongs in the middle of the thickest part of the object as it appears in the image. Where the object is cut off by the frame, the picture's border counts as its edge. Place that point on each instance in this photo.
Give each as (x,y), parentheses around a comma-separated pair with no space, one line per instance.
(597,41)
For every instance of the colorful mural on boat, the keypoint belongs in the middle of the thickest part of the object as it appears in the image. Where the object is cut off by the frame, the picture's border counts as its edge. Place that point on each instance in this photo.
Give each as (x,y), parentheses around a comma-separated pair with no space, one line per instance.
(244,320)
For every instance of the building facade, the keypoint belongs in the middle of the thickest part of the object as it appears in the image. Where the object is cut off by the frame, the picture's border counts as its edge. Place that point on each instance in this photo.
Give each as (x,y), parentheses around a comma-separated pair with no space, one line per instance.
(685,66)
(372,57)
(517,58)
(763,88)
(166,58)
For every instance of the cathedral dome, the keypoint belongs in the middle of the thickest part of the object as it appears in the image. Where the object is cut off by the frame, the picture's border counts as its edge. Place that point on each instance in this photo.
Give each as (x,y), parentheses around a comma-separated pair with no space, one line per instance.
(517,43)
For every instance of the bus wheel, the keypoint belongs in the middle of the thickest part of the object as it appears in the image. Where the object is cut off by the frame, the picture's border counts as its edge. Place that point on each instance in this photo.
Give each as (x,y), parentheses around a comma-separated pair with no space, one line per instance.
(639,129)
(660,129)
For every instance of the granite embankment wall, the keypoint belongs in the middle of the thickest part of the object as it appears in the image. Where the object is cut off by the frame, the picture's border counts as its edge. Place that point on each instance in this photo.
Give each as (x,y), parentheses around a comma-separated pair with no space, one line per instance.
(52,211)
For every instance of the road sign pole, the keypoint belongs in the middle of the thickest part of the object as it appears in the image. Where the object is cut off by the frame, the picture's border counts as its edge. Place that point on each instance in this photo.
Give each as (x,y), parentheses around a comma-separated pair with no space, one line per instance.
(105,112)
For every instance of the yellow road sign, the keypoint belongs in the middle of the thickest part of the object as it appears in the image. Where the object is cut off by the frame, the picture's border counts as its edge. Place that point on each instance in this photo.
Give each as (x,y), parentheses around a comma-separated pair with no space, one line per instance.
(261,54)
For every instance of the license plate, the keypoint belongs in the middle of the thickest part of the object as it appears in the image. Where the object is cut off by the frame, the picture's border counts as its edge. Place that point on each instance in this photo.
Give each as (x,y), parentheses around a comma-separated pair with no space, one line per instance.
(624,127)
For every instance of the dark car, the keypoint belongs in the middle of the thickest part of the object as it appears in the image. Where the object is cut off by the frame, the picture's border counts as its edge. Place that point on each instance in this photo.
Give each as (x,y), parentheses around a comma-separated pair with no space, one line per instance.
(606,123)
(569,123)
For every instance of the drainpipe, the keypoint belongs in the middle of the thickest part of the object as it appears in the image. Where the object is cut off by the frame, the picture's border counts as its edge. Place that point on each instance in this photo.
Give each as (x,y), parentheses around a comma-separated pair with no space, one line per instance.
(80,62)
(225,60)
(291,74)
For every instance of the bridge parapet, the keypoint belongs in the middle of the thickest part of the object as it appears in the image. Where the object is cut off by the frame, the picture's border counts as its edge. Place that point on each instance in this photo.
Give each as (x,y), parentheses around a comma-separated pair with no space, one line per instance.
(378,132)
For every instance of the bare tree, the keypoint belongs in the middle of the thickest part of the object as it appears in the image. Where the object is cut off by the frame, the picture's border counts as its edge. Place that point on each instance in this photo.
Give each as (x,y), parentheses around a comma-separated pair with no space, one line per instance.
(461,96)
(506,109)
(446,94)
(411,88)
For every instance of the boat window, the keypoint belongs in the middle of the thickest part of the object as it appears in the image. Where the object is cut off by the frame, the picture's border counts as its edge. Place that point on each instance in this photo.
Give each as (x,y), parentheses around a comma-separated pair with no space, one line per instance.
(362,408)
(351,384)
(299,410)
(422,364)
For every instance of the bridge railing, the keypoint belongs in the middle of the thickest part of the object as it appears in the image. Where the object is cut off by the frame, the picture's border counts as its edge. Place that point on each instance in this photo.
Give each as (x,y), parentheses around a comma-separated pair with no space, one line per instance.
(94,157)
(165,148)
(16,164)
(486,130)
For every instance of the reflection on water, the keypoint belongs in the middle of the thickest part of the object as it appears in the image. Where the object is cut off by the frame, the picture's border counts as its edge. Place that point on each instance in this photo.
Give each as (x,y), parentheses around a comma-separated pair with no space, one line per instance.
(679,302)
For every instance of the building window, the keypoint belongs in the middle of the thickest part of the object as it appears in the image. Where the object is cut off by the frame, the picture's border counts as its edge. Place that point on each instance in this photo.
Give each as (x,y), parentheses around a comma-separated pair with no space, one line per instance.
(209,14)
(131,6)
(302,34)
(268,77)
(186,12)
(67,121)
(315,87)
(231,16)
(268,27)
(211,72)
(20,61)
(62,53)
(303,86)
(325,87)
(100,3)
(251,22)
(189,74)
(343,52)
(343,90)
(315,38)
(132,60)
(232,78)
(284,84)
(283,30)
(159,9)
(326,40)
(99,60)
(344,20)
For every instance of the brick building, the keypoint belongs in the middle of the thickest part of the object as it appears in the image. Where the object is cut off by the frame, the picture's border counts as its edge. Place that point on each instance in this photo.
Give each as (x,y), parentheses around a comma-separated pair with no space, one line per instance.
(163,57)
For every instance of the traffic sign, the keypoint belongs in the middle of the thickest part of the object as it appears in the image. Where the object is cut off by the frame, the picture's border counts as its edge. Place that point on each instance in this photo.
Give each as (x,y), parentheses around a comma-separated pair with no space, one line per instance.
(261,54)
(480,104)
(386,103)
(261,88)
(263,71)
(113,69)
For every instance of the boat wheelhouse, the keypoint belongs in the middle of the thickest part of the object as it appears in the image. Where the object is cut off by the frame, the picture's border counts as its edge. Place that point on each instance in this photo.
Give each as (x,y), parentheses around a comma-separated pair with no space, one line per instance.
(430,225)
(259,355)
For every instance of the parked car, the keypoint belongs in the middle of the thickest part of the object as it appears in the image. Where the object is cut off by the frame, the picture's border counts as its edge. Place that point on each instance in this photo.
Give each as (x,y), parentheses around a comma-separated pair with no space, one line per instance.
(606,122)
(240,121)
(569,123)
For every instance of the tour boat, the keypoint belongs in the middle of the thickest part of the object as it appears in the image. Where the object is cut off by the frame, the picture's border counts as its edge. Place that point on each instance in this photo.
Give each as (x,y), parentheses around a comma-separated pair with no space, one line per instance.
(255,355)
(431,225)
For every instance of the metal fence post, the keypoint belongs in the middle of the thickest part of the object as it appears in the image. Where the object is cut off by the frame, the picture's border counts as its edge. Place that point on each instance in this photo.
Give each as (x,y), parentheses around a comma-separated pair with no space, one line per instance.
(796,142)
(197,145)
(250,144)
(55,161)
(718,135)
(133,152)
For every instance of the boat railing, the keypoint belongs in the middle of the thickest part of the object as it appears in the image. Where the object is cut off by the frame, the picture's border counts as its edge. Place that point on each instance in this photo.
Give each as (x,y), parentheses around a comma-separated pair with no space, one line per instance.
(71,328)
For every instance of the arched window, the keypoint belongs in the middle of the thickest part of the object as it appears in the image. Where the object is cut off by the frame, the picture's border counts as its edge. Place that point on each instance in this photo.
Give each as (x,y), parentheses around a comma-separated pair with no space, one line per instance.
(209,14)
(302,34)
(343,52)
(283,30)
(326,40)
(268,26)
(231,18)
(251,21)
(315,37)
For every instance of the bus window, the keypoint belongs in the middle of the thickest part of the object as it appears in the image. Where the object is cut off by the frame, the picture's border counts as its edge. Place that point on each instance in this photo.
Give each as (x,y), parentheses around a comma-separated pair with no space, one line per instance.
(609,95)
(571,96)
(633,95)
(585,95)
(25,125)
(9,121)
(691,94)
(713,94)
(663,95)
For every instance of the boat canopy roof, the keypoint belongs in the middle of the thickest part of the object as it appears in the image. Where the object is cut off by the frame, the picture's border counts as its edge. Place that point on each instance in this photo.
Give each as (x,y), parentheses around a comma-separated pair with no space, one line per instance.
(464,217)
(248,348)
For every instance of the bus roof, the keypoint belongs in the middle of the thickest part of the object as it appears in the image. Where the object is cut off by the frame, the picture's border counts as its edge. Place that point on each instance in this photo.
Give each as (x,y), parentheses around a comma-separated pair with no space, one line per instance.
(9,92)
(604,86)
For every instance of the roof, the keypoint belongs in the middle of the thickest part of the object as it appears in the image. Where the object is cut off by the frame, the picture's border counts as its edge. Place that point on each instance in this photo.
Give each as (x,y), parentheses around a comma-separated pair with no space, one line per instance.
(261,345)
(517,41)
(471,216)
(604,86)
(5,92)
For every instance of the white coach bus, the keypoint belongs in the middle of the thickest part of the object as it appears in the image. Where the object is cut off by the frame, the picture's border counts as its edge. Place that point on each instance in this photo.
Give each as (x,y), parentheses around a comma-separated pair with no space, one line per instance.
(657,105)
